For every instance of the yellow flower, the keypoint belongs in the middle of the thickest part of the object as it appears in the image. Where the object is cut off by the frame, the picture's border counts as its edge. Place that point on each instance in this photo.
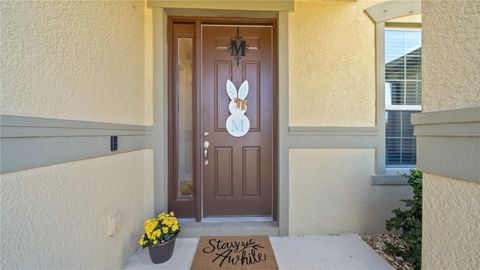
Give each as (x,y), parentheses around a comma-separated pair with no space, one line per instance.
(157,233)
(150,225)
(157,226)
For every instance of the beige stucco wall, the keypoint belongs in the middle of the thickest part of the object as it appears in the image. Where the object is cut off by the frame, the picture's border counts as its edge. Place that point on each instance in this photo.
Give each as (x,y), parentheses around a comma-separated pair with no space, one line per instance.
(451,222)
(331,64)
(79,60)
(451,76)
(148,54)
(330,192)
(56,217)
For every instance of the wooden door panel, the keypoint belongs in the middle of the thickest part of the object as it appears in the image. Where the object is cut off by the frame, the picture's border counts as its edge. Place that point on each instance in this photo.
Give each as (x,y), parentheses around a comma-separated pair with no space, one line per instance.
(251,171)
(238,179)
(223,172)
(252,72)
(222,69)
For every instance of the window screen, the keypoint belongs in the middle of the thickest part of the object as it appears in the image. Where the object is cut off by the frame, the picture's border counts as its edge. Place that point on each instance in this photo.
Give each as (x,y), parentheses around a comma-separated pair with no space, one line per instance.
(403,93)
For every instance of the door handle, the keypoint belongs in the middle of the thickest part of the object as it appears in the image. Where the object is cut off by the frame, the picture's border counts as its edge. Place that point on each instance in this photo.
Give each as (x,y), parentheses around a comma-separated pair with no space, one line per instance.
(206,144)
(205,154)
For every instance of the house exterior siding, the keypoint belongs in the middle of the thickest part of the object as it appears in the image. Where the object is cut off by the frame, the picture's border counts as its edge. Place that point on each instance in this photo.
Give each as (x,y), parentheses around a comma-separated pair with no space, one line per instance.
(331,64)
(451,221)
(75,61)
(330,192)
(332,83)
(106,62)
(57,216)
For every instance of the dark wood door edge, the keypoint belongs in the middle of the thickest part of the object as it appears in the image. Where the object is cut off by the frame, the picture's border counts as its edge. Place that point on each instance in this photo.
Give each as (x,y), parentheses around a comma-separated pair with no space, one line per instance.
(198,125)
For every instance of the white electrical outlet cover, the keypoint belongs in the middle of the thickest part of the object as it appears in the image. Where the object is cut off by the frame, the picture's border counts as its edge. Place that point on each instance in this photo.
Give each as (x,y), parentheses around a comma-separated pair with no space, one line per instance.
(114,223)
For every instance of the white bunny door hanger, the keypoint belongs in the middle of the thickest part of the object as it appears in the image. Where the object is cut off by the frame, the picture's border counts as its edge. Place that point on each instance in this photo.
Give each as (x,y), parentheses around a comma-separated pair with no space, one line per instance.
(237,123)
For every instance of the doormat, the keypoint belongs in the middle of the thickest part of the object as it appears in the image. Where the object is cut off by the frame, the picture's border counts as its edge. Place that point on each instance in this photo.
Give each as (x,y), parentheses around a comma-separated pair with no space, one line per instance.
(234,252)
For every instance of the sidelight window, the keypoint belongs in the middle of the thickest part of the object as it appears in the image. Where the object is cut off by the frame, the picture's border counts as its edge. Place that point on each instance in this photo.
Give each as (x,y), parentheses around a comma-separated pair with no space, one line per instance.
(184,114)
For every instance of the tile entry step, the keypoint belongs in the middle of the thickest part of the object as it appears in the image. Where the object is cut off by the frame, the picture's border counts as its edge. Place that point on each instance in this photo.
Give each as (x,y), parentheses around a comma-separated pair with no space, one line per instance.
(191,228)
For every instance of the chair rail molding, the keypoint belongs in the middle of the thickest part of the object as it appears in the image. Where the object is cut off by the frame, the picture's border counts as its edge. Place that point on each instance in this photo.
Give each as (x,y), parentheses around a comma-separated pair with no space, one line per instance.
(332,131)
(30,142)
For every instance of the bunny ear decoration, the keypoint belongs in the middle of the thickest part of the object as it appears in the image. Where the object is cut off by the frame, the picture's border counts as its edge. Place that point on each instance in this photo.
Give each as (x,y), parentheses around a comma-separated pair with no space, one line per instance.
(231,90)
(243,90)
(237,123)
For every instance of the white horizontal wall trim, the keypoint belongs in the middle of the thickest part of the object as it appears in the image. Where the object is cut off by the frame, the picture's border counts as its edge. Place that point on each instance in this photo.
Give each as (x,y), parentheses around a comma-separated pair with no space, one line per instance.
(346,137)
(30,142)
(333,142)
(471,129)
(333,137)
(33,132)
(27,153)
(455,157)
(222,13)
(463,115)
(332,131)
(12,126)
(390,107)
(386,179)
(451,123)
(253,5)
(448,143)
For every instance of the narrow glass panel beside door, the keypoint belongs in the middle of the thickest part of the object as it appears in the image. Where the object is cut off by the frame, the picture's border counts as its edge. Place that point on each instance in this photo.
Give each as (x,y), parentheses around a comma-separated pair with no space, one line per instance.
(184,113)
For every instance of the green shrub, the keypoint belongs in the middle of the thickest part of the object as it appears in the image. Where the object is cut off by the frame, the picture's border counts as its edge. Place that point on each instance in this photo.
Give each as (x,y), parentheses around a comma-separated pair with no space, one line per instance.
(409,223)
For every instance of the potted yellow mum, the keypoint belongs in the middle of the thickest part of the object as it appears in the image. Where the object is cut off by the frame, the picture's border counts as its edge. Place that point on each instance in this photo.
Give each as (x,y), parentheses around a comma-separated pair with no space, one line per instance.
(159,237)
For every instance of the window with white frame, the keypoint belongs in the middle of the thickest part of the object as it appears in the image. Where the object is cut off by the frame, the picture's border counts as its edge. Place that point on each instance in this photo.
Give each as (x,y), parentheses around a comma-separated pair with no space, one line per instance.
(403,94)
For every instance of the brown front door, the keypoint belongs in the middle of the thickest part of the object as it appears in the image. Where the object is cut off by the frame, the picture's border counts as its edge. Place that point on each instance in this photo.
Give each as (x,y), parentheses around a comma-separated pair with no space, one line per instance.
(238,179)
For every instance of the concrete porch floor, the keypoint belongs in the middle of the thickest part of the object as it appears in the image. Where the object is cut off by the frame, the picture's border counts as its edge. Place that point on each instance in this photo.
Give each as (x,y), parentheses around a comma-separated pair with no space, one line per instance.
(346,251)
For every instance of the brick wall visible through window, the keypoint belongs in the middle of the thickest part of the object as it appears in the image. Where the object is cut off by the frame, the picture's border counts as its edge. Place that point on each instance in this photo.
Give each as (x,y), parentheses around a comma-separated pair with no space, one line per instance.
(403,93)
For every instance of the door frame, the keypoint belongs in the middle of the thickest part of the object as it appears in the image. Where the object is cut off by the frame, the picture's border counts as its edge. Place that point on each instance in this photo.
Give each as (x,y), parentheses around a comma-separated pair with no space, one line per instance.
(196,88)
